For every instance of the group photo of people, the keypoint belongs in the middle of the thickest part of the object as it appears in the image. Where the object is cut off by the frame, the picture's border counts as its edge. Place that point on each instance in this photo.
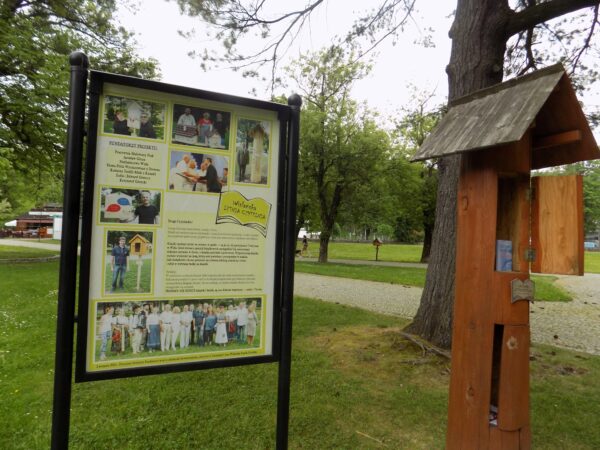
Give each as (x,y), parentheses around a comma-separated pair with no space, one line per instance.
(200,126)
(128,329)
(252,151)
(128,262)
(134,206)
(196,172)
(133,117)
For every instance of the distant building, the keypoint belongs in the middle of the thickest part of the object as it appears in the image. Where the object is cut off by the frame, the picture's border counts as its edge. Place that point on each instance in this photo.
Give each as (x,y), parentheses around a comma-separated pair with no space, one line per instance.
(40,220)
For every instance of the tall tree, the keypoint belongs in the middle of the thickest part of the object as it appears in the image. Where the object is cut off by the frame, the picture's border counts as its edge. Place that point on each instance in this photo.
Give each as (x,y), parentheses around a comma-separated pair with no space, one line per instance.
(412,128)
(340,146)
(489,38)
(387,202)
(36,39)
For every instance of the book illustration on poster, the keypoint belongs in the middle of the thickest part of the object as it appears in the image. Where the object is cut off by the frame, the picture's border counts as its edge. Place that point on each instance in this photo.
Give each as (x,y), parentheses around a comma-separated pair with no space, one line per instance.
(235,208)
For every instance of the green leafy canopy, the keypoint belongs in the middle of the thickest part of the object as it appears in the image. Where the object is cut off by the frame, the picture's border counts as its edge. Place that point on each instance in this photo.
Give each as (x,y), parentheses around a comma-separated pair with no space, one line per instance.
(36,39)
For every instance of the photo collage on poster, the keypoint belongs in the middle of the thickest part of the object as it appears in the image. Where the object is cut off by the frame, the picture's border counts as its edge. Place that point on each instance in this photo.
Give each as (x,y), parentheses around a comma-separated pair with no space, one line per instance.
(185,192)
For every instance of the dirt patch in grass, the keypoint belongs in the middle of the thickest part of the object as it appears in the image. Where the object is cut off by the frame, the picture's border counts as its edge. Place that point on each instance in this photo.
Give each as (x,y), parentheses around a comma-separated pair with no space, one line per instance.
(550,363)
(382,354)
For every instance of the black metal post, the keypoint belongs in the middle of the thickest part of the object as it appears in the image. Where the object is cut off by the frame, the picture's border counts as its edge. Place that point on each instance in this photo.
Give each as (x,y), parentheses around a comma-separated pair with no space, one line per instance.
(65,321)
(285,361)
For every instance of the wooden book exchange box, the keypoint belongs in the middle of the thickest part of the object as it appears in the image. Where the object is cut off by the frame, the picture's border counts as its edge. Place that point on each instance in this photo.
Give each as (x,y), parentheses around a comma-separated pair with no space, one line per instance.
(508,224)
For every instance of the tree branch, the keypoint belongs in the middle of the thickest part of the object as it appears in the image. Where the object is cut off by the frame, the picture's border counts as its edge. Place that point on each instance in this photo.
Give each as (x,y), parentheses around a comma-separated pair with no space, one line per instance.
(586,44)
(529,52)
(542,12)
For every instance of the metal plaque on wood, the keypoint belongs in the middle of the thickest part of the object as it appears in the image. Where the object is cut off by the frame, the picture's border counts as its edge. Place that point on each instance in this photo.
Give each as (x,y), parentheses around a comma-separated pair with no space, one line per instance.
(522,290)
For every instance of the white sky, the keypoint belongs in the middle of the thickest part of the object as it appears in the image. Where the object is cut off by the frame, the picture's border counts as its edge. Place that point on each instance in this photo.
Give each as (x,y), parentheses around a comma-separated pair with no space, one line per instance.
(400,71)
(386,88)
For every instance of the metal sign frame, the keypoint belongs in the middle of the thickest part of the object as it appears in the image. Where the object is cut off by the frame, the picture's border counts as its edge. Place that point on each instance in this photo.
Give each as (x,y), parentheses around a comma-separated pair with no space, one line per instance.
(285,242)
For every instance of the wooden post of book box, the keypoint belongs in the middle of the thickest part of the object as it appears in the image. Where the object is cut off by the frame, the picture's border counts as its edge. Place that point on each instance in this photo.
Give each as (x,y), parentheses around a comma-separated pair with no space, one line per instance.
(490,341)
(507,224)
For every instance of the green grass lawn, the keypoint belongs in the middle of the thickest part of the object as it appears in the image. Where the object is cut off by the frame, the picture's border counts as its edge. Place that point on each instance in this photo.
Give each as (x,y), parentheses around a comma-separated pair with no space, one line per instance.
(545,289)
(408,276)
(403,253)
(130,279)
(366,251)
(355,381)
(591,262)
(10,252)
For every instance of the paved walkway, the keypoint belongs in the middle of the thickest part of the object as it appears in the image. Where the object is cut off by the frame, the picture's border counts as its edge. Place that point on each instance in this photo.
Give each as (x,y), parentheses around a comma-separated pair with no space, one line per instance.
(31,243)
(574,325)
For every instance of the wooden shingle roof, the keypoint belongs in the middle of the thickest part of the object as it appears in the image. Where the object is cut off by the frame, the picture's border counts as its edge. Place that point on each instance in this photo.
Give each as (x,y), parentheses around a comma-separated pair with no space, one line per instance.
(543,101)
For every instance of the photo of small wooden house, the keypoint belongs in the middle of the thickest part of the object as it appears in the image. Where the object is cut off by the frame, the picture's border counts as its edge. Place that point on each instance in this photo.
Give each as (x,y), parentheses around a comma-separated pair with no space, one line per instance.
(139,246)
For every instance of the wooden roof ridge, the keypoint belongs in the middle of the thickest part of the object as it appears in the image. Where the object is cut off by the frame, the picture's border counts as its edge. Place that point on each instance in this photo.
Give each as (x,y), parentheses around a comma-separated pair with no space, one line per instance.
(554,68)
(137,235)
(543,102)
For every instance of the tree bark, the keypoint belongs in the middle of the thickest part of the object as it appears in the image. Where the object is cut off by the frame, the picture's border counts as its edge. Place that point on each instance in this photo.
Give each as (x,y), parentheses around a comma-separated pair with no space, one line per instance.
(323,246)
(476,61)
(427,241)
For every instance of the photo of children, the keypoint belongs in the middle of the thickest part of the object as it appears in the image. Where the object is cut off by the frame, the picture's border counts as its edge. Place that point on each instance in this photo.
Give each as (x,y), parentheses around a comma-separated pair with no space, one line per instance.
(134,118)
(197,172)
(128,262)
(201,127)
(129,329)
(252,151)
(134,206)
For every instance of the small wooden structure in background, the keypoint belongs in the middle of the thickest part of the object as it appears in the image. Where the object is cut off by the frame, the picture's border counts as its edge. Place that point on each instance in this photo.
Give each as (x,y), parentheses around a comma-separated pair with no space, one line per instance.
(377,243)
(504,132)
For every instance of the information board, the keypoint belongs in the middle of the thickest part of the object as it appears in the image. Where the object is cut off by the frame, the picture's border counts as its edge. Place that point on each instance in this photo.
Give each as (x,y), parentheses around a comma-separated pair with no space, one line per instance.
(182,229)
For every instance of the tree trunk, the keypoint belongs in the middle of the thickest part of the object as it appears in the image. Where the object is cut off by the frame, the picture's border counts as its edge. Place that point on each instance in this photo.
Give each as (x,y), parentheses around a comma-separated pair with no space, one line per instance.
(478,43)
(427,240)
(323,246)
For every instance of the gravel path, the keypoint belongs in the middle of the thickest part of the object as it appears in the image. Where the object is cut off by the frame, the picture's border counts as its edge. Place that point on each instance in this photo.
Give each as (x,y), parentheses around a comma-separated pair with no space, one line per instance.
(574,325)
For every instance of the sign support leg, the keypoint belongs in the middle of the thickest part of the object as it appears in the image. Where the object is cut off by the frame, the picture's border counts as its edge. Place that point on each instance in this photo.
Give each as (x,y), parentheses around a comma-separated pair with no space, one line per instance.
(65,321)
(285,361)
